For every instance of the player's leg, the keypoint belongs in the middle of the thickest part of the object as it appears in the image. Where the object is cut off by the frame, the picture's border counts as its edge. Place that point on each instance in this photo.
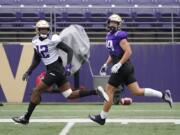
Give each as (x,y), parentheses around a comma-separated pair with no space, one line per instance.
(35,98)
(69,94)
(101,118)
(149,92)
(114,81)
(117,95)
(34,101)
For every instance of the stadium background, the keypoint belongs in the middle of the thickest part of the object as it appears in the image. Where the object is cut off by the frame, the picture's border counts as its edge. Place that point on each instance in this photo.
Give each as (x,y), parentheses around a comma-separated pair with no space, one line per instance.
(153,27)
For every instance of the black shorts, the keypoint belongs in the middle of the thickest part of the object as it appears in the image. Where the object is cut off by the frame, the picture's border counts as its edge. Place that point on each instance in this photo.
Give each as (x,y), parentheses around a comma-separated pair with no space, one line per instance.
(55,74)
(125,75)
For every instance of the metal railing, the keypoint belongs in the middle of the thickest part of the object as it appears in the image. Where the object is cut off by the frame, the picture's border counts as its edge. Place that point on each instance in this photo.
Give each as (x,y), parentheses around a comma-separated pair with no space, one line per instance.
(141,26)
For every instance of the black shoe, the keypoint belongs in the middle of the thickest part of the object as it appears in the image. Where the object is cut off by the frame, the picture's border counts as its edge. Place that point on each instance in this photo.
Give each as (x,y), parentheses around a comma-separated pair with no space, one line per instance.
(1,104)
(20,120)
(102,93)
(97,119)
(167,98)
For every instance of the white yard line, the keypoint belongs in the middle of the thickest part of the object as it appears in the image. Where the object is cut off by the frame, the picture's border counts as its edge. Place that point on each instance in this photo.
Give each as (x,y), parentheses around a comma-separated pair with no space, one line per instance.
(67,128)
(92,110)
(123,121)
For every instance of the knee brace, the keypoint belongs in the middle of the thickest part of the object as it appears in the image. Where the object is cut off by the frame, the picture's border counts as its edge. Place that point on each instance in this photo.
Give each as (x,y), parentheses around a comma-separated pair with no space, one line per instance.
(67,93)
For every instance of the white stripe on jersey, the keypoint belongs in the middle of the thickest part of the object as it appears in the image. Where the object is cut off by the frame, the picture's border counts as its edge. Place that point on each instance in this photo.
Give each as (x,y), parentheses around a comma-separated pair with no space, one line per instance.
(47,48)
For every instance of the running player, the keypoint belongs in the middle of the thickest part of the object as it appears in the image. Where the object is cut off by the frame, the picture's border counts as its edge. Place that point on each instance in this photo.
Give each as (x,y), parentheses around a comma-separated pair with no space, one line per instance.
(122,70)
(46,49)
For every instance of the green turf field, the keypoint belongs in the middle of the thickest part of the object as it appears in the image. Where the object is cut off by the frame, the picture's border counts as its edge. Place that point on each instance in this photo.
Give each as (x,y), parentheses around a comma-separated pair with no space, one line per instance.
(53,119)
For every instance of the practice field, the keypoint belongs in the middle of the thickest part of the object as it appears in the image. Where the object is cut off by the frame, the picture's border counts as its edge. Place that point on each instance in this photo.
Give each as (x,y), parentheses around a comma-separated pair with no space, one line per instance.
(72,119)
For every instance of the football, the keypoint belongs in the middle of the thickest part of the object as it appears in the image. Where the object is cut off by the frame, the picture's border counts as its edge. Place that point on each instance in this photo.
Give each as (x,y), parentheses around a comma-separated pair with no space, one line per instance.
(126,101)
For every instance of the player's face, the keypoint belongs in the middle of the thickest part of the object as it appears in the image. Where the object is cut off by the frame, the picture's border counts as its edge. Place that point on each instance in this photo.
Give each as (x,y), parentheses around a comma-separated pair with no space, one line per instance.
(43,31)
(113,24)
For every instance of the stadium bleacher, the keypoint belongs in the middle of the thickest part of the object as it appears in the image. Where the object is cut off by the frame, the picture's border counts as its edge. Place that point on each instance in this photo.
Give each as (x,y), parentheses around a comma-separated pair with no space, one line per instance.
(87,2)
(145,21)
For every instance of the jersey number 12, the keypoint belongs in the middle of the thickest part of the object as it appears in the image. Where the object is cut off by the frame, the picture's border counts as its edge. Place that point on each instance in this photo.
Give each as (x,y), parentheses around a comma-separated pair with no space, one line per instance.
(43,51)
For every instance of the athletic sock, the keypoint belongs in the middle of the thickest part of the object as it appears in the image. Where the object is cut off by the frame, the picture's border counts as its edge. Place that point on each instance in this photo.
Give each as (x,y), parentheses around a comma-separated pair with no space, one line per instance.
(152,93)
(31,108)
(104,114)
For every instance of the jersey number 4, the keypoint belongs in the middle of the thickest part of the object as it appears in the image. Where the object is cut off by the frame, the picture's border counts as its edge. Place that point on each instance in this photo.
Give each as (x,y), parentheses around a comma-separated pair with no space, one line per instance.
(43,51)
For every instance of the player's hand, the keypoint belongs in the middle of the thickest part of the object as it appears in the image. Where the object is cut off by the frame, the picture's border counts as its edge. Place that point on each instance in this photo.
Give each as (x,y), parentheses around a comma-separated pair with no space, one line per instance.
(103,70)
(116,67)
(25,76)
(68,69)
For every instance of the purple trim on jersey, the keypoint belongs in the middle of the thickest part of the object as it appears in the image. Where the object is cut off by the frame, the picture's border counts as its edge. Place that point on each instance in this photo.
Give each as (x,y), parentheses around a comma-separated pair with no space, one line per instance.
(112,42)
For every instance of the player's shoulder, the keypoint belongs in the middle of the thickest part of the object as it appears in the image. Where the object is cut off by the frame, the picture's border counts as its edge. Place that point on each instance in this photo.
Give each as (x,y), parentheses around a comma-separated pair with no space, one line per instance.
(121,34)
(35,38)
(108,34)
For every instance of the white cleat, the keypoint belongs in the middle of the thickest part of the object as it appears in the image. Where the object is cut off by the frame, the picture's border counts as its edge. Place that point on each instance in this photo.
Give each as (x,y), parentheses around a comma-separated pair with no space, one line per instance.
(168,98)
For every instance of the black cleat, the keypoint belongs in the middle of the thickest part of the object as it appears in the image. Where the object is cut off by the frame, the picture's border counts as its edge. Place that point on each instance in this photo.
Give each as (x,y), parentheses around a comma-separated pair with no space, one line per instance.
(20,120)
(97,119)
(102,93)
(167,98)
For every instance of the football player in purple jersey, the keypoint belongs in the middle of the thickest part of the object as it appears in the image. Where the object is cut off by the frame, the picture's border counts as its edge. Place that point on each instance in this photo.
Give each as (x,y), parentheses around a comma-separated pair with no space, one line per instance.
(122,71)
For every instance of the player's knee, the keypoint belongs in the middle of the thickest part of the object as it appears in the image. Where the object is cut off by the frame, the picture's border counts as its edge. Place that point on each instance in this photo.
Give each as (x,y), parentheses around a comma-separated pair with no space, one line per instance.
(38,90)
(137,93)
(67,94)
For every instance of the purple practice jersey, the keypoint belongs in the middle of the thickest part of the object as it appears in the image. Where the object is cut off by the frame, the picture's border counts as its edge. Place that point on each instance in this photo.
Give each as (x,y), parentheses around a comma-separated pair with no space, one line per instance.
(112,44)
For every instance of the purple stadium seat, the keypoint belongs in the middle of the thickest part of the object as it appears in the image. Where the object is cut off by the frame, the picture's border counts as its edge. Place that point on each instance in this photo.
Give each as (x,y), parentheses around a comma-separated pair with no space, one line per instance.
(143,2)
(29,19)
(120,2)
(164,14)
(18,16)
(95,2)
(76,17)
(30,2)
(71,2)
(62,19)
(98,17)
(41,15)
(164,17)
(51,2)
(7,17)
(167,2)
(7,20)
(150,11)
(59,17)
(7,2)
(144,17)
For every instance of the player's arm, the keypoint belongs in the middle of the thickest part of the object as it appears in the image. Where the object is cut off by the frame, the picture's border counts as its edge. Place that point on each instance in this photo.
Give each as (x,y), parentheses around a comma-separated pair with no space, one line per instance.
(35,62)
(66,49)
(109,60)
(124,44)
(104,67)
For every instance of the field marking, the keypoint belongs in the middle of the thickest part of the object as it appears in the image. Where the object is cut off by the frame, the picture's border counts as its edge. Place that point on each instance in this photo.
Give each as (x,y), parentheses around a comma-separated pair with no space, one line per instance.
(92,110)
(123,121)
(67,128)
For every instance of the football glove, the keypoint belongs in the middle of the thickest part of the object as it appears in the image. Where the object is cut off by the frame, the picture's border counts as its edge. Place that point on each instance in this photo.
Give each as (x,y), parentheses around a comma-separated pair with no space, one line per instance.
(116,67)
(68,69)
(103,70)
(26,76)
